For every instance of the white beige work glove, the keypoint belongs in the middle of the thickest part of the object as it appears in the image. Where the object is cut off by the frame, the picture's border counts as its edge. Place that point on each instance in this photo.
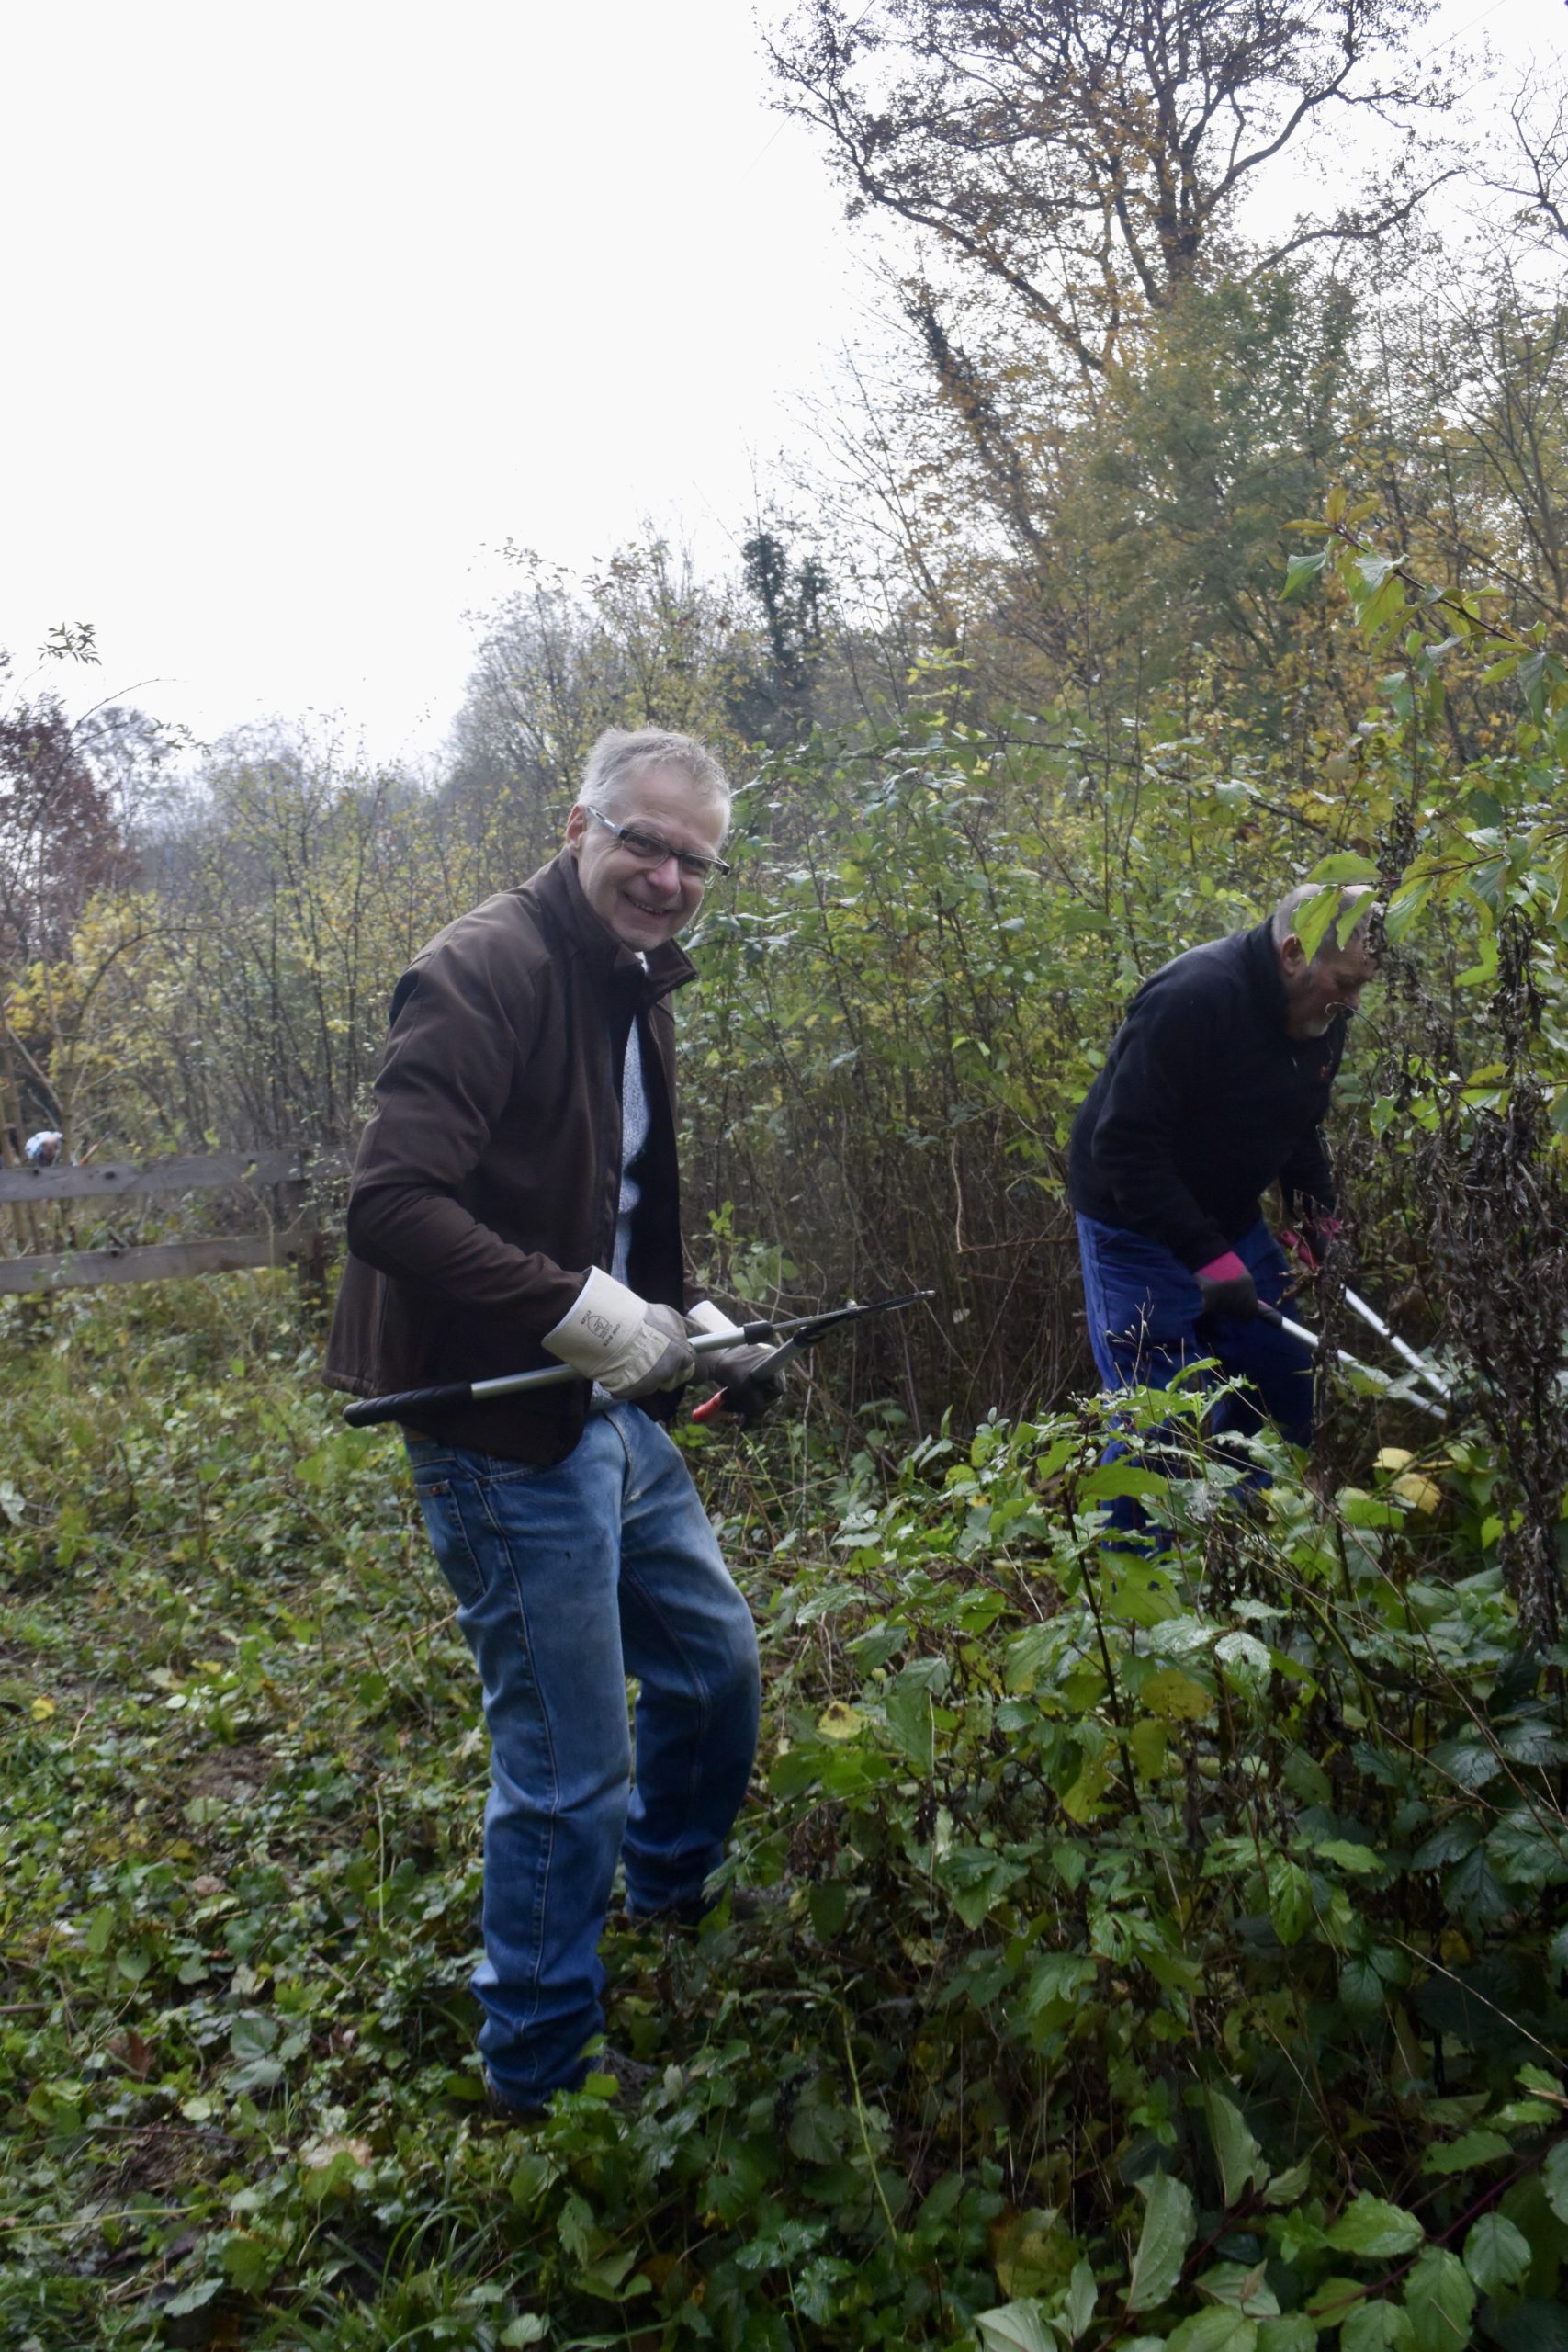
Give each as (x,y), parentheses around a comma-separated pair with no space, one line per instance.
(748,1388)
(615,1338)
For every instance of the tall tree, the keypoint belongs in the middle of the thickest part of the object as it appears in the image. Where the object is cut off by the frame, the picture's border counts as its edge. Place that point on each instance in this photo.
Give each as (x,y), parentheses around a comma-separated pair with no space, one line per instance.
(1087,158)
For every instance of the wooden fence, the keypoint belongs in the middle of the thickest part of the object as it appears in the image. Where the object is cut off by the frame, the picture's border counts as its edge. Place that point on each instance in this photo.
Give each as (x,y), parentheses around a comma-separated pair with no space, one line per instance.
(273,1182)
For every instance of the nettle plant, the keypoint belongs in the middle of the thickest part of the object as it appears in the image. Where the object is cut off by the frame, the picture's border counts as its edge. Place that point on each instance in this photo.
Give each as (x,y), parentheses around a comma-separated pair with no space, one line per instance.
(1201,1905)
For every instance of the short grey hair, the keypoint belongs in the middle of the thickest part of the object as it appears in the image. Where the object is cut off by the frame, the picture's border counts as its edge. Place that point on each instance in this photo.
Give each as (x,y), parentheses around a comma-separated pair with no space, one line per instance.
(1290,905)
(619,757)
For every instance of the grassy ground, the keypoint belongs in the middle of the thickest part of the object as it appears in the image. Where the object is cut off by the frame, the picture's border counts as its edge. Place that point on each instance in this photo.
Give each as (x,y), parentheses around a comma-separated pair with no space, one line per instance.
(1173,1951)
(245,1766)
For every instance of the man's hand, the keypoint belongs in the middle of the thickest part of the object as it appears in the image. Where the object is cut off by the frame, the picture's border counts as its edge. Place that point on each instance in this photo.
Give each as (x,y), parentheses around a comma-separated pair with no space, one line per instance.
(1311,1245)
(617,1339)
(748,1390)
(1227,1288)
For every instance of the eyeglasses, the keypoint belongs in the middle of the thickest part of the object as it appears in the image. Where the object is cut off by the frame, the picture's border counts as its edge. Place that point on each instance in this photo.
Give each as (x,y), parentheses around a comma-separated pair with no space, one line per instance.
(651,849)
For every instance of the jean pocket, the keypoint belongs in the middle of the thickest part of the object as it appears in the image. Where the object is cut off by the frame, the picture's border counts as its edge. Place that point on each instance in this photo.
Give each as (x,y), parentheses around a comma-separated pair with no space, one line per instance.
(454,1555)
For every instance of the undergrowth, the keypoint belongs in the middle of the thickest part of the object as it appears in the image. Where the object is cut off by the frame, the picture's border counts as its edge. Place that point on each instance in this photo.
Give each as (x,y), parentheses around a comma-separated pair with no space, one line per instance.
(1169,1948)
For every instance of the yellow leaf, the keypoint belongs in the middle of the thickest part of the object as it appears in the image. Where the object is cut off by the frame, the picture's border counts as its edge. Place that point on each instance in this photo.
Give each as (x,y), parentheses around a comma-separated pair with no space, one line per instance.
(1396,1457)
(1418,1492)
(1146,1740)
(43,1709)
(839,1722)
(1175,1697)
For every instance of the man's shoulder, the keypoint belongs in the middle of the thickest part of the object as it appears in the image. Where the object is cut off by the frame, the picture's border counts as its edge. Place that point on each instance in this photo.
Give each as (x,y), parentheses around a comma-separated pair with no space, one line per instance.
(1212,974)
(506,934)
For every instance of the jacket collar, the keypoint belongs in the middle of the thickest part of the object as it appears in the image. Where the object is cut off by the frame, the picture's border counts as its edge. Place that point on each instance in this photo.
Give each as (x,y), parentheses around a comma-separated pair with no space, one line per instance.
(557,894)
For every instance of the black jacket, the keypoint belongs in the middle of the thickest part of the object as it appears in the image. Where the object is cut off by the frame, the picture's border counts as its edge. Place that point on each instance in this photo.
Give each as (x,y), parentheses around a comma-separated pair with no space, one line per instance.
(1203,1102)
(488,1179)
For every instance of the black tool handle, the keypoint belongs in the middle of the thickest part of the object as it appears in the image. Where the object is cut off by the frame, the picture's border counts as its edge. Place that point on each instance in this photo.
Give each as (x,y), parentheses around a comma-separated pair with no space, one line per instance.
(408,1405)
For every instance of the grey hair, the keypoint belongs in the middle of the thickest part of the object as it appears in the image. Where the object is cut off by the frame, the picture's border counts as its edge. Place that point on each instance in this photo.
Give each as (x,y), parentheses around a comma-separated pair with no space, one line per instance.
(619,758)
(1284,924)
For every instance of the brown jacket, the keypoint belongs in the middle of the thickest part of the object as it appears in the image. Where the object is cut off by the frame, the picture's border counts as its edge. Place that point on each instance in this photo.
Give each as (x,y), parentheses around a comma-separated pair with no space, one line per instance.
(488,1179)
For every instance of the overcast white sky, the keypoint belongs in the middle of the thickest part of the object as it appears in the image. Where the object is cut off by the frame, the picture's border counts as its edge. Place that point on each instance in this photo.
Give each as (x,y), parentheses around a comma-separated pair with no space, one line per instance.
(311,308)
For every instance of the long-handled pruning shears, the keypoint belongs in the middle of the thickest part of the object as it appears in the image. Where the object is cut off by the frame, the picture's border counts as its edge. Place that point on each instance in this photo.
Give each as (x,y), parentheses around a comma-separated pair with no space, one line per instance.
(1313,1339)
(804,1333)
(802,1330)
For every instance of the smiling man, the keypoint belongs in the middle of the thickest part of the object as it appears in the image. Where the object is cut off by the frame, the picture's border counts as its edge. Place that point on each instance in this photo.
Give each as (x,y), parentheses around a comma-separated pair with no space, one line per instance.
(515,1203)
(1214,1088)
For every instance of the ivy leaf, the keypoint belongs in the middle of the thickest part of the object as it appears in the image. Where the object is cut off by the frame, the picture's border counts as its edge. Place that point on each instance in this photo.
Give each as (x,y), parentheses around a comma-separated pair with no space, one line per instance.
(1169,2225)
(1375,2230)
(1440,2300)
(1497,2253)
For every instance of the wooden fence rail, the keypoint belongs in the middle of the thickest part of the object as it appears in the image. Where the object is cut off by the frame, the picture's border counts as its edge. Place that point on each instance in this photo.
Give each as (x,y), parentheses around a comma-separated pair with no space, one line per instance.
(292,1235)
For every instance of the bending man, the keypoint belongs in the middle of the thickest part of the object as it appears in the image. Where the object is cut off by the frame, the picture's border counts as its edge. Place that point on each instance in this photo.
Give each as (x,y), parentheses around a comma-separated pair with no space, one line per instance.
(515,1203)
(1214,1089)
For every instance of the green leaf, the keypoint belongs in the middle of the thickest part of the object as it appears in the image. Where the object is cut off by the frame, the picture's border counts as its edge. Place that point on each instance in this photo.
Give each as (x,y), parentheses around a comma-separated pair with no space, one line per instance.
(1359,1859)
(1332,2301)
(191,2298)
(1470,2148)
(1554,2179)
(1497,2253)
(1289,1900)
(1237,2151)
(1015,2327)
(910,1719)
(1299,572)
(1292,2332)
(1377,2326)
(1375,2230)
(1345,865)
(1082,2295)
(1361,1990)
(249,2261)
(1440,2300)
(529,2328)
(1242,2287)
(1221,2330)
(1404,909)
(1170,2222)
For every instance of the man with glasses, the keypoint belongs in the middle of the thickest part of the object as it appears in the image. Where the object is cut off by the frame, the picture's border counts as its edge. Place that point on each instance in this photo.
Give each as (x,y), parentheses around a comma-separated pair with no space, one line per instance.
(515,1203)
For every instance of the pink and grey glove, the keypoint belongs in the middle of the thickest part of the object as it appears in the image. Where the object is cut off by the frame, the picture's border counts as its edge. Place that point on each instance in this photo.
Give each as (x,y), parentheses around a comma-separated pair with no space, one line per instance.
(1227,1288)
(1310,1244)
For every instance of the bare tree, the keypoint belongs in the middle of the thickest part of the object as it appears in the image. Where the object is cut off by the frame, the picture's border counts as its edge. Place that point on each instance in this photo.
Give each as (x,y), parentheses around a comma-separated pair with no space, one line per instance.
(1086,158)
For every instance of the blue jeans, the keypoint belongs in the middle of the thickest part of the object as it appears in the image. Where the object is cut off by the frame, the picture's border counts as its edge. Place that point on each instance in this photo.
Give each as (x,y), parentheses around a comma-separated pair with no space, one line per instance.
(1146,1320)
(567,1579)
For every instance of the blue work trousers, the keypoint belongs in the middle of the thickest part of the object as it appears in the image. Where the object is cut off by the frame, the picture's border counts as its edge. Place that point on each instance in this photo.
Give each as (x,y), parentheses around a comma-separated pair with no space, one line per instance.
(1146,1320)
(568,1579)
